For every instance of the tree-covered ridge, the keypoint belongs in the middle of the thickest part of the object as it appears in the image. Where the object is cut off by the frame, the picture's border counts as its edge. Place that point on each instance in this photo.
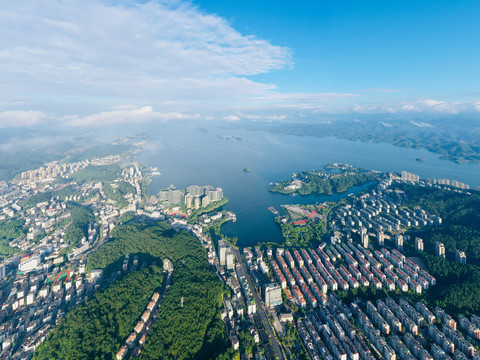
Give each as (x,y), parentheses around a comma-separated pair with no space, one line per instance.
(458,286)
(10,230)
(178,333)
(103,173)
(16,162)
(156,239)
(460,213)
(33,200)
(98,328)
(78,228)
(117,191)
(320,182)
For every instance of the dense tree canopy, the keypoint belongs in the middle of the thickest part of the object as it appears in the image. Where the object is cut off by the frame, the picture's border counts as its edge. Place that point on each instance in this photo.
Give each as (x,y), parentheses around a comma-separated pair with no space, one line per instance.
(458,286)
(104,173)
(98,328)
(179,333)
(319,182)
(460,213)
(78,228)
(10,230)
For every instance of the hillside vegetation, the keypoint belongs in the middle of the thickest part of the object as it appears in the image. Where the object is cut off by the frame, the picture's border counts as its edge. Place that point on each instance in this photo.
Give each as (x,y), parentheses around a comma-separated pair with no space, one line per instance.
(458,286)
(179,333)
(319,182)
(98,328)
(460,213)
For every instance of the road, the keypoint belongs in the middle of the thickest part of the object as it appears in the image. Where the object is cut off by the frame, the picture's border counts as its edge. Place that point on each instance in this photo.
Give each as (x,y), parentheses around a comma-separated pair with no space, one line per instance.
(260,309)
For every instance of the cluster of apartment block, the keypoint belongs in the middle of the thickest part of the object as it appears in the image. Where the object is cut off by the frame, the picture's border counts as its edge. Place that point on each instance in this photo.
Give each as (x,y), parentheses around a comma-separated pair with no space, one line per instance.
(35,304)
(226,255)
(240,310)
(194,197)
(398,328)
(406,176)
(381,210)
(328,333)
(55,170)
(51,170)
(232,315)
(307,274)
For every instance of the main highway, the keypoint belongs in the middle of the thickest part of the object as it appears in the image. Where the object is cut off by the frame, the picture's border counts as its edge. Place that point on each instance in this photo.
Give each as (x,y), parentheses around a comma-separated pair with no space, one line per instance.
(260,308)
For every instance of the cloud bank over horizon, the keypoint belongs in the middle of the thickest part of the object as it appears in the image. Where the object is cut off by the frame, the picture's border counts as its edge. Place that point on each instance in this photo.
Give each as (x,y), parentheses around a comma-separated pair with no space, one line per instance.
(94,63)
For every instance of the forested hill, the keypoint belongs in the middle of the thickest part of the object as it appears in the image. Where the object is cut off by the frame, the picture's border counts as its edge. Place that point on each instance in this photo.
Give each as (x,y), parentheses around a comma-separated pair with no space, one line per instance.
(460,212)
(445,136)
(194,331)
(458,285)
(98,328)
(320,182)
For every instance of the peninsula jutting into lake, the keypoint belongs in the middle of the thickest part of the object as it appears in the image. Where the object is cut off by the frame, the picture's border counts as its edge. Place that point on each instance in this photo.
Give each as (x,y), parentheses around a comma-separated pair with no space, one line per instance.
(239,180)
(393,247)
(325,181)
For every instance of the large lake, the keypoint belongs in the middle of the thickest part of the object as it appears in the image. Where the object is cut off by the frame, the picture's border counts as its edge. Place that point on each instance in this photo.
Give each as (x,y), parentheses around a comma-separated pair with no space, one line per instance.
(186,155)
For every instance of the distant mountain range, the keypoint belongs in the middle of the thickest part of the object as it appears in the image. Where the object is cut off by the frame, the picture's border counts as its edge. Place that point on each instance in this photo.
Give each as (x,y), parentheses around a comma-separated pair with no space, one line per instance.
(456,138)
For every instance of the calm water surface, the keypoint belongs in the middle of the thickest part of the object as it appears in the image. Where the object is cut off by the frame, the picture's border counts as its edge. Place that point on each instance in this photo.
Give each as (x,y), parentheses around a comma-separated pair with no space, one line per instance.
(185,156)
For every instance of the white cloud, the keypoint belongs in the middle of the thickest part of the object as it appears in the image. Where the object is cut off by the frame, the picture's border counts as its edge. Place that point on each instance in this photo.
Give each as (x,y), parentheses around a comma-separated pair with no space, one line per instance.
(158,51)
(126,116)
(19,118)
(421,124)
(231,118)
(266,117)
(82,57)
(417,106)
(303,101)
(432,103)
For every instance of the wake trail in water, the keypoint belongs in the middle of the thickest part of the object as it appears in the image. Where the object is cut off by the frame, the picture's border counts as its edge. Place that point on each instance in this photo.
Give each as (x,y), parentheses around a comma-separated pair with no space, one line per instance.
(252,205)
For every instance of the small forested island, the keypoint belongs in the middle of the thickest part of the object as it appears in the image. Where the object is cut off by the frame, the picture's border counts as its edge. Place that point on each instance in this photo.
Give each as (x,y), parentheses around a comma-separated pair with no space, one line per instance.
(323,182)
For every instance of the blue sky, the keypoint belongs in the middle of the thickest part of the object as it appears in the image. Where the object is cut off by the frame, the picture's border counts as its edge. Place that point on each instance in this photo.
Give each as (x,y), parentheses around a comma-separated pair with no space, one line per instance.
(423,47)
(98,62)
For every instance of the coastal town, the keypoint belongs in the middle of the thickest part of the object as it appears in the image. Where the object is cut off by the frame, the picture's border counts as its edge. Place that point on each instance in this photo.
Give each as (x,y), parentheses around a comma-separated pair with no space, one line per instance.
(275,292)
(45,275)
(301,286)
(239,180)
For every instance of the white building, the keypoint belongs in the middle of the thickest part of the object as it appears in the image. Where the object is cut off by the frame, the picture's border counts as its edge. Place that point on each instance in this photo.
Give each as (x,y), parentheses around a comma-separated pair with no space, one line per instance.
(30,264)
